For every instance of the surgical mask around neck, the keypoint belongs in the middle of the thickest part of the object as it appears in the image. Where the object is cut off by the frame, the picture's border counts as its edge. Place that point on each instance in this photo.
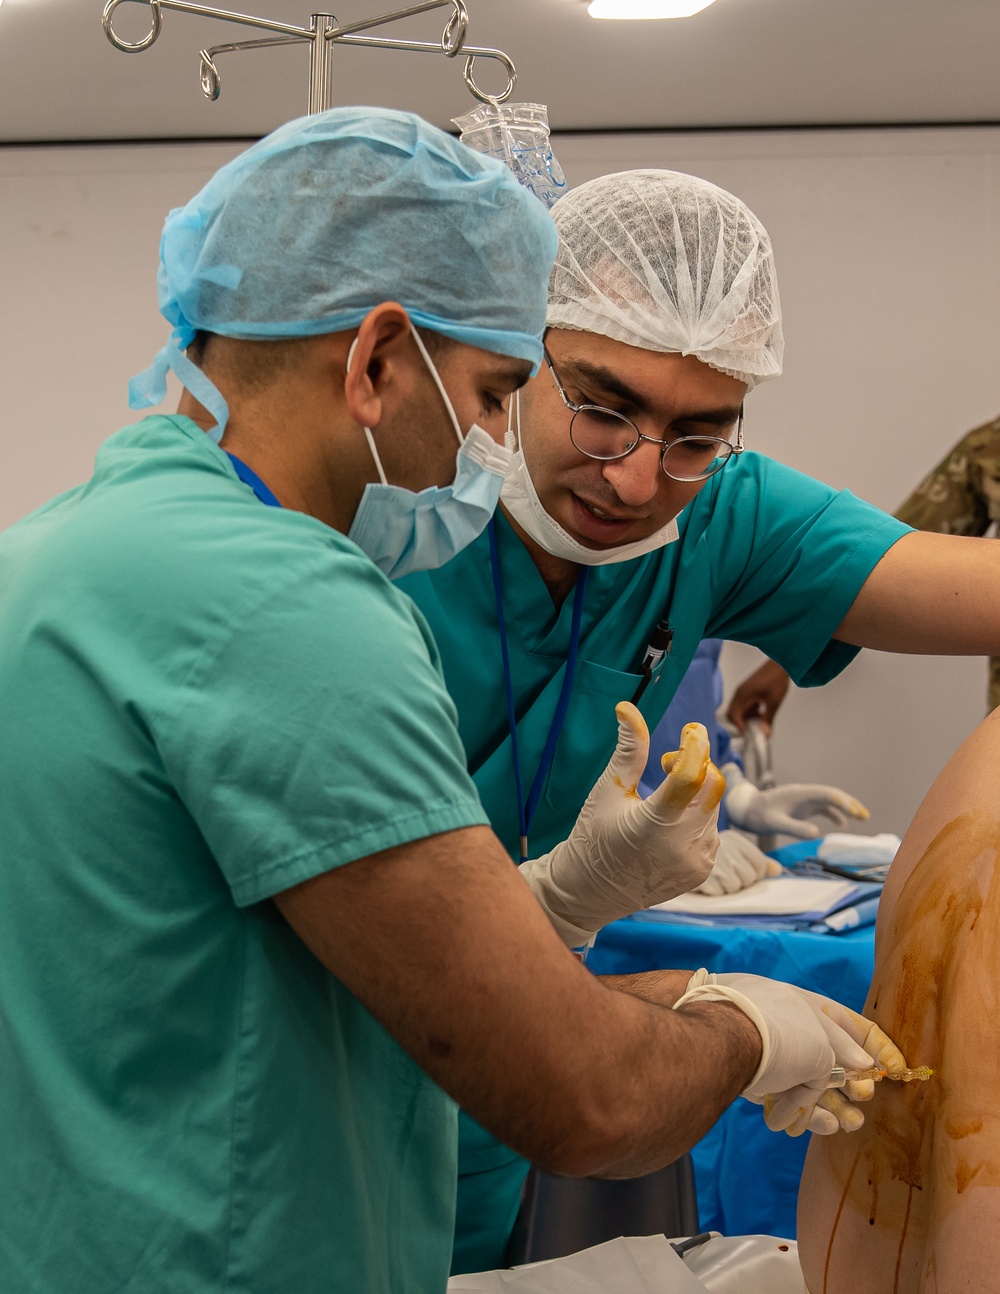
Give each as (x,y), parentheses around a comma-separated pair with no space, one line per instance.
(521,501)
(405,530)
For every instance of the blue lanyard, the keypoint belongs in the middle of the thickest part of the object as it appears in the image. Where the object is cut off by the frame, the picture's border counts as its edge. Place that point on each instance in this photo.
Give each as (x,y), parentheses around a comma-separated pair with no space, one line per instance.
(250,477)
(526,811)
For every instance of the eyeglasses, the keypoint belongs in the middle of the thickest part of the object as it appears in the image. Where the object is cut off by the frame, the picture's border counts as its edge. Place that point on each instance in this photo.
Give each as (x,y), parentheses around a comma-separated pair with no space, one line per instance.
(606,435)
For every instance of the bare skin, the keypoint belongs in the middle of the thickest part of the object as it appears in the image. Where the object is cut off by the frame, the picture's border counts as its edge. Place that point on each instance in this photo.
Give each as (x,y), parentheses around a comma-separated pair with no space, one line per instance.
(665,395)
(441,938)
(444,943)
(320,462)
(911,1203)
(759,697)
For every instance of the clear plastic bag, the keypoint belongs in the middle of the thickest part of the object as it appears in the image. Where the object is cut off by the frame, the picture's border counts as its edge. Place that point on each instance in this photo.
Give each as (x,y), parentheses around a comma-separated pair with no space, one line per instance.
(516,134)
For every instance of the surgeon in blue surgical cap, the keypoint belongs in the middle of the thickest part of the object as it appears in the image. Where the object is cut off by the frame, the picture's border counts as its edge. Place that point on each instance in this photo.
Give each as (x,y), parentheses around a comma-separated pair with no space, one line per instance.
(258,936)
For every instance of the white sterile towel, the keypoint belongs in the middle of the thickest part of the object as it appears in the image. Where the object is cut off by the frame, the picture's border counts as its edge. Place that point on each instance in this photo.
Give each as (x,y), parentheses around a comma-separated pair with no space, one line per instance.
(842,847)
(772,896)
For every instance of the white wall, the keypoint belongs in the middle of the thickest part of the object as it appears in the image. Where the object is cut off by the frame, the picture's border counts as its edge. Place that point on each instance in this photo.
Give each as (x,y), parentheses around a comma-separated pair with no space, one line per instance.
(888,250)
(79,231)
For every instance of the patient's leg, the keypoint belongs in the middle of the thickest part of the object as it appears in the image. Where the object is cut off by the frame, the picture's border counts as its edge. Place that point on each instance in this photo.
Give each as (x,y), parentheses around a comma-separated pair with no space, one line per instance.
(912,1201)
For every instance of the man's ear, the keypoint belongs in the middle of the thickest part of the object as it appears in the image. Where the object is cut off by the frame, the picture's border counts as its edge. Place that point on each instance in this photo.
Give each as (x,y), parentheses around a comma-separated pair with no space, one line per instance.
(381,342)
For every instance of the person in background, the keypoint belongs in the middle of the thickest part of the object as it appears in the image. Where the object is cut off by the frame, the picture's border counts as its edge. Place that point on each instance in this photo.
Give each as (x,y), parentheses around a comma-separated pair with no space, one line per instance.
(961,496)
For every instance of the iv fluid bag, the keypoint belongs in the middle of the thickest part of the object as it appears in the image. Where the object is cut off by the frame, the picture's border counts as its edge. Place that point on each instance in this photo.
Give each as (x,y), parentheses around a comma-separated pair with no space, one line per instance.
(516,134)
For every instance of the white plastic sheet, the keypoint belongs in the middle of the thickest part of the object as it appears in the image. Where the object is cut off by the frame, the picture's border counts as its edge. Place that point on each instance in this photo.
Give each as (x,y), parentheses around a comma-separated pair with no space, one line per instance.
(648,1265)
(748,1265)
(632,1265)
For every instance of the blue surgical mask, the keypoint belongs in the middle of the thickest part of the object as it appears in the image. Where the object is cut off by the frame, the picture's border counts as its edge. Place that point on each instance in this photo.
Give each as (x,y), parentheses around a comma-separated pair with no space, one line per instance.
(405,530)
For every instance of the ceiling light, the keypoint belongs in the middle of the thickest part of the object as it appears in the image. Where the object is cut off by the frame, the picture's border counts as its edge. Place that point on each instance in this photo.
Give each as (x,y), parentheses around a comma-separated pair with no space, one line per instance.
(646,8)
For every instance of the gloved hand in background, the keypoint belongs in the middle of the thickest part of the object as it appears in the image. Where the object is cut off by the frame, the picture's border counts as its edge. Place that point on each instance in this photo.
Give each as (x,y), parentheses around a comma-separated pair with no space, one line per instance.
(804,1037)
(625,852)
(785,809)
(738,863)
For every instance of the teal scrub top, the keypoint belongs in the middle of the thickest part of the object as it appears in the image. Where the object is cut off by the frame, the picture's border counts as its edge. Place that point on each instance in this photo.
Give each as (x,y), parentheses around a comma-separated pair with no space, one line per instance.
(206,701)
(765,555)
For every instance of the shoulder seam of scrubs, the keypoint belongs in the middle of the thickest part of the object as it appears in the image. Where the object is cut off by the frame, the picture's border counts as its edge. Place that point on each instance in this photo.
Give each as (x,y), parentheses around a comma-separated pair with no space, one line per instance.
(526,811)
(434,820)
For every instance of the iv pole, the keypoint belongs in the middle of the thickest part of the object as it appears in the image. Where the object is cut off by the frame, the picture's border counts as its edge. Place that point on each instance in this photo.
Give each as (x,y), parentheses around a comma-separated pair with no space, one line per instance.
(322,34)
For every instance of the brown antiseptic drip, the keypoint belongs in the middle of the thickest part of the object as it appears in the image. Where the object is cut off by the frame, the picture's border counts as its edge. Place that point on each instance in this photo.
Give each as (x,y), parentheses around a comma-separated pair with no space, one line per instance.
(836,1221)
(902,1241)
(926,1144)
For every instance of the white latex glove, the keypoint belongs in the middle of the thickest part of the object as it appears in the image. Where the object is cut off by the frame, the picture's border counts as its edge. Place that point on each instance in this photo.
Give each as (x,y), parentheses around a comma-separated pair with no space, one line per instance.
(783,810)
(626,853)
(804,1037)
(738,863)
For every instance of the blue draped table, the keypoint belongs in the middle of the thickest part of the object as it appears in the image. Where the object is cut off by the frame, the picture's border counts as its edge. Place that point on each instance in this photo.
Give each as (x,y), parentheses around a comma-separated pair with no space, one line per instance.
(747,1177)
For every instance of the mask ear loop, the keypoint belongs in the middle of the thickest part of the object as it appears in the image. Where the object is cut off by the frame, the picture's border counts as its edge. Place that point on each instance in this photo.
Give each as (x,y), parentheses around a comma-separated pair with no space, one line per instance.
(367,430)
(438,383)
(513,437)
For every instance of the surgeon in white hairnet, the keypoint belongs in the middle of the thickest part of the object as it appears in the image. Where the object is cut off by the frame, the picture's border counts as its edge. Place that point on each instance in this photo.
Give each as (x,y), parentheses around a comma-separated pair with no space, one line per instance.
(636,521)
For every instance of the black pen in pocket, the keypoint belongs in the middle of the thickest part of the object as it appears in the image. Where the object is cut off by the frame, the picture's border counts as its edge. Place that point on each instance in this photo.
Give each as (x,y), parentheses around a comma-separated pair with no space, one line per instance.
(659,646)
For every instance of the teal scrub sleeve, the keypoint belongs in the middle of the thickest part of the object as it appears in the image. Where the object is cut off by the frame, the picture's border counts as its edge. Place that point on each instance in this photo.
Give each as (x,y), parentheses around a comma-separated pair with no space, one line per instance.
(315,730)
(806,550)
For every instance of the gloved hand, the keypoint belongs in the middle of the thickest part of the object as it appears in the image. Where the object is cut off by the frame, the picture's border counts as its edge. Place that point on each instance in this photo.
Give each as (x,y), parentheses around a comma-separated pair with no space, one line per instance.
(804,1037)
(784,809)
(738,863)
(626,853)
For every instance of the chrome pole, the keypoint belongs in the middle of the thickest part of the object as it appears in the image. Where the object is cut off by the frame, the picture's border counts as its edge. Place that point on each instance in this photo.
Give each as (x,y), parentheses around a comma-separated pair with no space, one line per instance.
(322,35)
(321,62)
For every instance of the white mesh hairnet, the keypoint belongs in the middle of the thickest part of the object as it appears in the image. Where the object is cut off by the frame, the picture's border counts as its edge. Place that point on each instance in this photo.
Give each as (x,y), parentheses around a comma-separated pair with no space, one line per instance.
(668,262)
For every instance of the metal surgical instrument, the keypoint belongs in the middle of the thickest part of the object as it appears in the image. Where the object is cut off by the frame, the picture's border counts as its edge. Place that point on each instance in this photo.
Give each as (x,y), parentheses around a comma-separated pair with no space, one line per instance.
(321,35)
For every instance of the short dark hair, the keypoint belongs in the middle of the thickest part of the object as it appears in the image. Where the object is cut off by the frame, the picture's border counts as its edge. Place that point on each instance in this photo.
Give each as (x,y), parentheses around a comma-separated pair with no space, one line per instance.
(254,365)
(258,364)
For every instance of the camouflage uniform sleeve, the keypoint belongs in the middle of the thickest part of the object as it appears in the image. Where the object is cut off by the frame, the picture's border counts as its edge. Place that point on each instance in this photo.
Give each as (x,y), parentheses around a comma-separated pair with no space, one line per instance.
(952,500)
(961,496)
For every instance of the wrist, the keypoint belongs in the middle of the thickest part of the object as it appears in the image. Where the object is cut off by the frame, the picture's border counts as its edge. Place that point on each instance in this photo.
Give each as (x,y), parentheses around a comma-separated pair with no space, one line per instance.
(744,1044)
(538,874)
(662,988)
(707,989)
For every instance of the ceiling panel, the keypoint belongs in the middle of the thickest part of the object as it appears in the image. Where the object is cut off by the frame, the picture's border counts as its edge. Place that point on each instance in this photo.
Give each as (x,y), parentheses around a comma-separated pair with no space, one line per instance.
(738,63)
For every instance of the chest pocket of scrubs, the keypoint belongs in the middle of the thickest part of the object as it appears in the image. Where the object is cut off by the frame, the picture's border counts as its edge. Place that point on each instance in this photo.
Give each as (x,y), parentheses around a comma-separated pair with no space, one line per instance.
(588,740)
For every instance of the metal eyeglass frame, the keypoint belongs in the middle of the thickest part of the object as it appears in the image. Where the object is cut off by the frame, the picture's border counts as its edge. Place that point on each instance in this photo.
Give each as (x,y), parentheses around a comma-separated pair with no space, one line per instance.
(727,446)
